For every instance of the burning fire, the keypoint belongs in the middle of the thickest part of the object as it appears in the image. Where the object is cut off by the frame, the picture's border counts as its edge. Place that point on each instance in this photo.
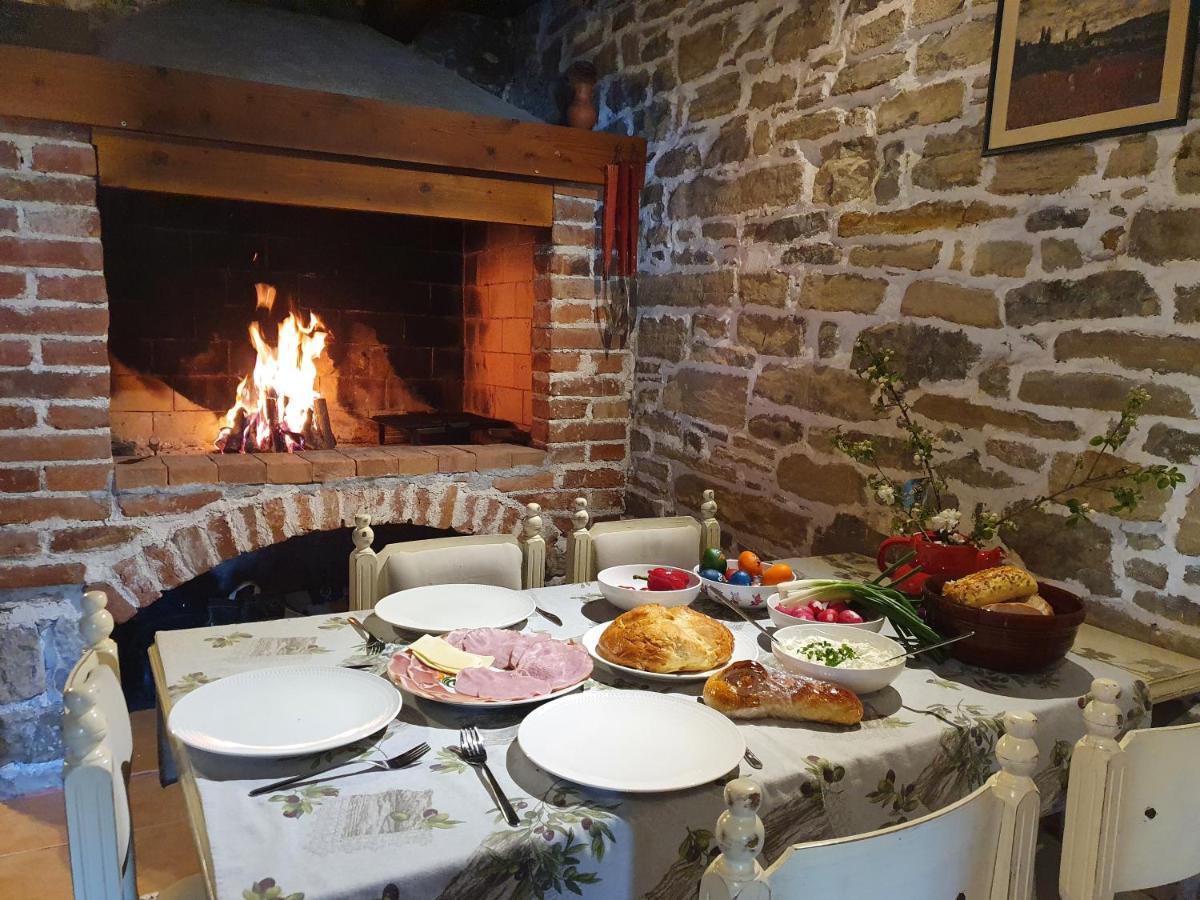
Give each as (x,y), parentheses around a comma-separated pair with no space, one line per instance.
(278,407)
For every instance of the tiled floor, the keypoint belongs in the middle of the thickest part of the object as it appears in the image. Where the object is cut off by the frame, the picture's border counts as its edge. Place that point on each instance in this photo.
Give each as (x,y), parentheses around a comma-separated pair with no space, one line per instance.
(33,831)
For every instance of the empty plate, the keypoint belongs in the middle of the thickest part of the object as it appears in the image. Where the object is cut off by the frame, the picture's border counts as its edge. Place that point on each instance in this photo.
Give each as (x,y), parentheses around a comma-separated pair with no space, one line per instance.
(289,711)
(631,741)
(745,646)
(438,608)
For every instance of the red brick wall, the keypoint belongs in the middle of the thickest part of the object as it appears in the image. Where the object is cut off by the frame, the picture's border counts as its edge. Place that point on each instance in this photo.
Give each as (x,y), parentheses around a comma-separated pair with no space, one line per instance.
(55,456)
(498,320)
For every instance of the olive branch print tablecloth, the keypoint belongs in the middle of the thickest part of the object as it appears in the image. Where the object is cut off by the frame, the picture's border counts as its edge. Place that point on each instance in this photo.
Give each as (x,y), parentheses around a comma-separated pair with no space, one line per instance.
(431,831)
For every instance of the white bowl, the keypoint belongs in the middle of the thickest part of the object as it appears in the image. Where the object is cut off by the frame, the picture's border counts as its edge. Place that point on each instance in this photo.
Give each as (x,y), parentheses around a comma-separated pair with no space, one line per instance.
(784,620)
(619,587)
(747,596)
(861,681)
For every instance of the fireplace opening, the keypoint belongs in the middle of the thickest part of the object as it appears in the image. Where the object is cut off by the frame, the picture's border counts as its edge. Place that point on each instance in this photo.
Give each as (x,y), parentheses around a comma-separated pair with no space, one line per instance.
(256,327)
(306,575)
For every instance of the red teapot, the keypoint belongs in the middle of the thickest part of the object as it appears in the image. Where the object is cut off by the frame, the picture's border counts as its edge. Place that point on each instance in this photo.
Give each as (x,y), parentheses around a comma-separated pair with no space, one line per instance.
(936,559)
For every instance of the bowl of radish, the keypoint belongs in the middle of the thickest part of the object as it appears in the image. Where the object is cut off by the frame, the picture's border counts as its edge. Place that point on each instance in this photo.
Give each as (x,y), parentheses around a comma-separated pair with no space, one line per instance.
(814,600)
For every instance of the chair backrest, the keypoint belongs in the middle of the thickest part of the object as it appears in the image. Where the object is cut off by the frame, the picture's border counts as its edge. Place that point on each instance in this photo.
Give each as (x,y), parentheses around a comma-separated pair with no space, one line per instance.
(99,747)
(1133,807)
(981,847)
(673,541)
(498,559)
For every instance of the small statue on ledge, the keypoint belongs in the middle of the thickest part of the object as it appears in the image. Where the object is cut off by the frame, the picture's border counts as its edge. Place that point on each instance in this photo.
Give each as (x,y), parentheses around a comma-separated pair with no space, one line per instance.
(581,113)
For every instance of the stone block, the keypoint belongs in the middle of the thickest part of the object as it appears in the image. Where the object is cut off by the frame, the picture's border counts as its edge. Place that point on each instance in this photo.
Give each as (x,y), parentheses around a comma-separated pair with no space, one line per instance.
(1172,444)
(1052,218)
(809,26)
(665,338)
(698,52)
(916,256)
(1082,552)
(927,216)
(22,666)
(922,352)
(926,105)
(764,288)
(852,293)
(959,48)
(926,11)
(1134,157)
(871,72)
(772,187)
(847,173)
(1091,390)
(878,32)
(1009,259)
(731,145)
(1105,295)
(328,465)
(787,229)
(765,94)
(1158,353)
(1017,454)
(1043,171)
(716,397)
(828,390)
(240,468)
(832,483)
(1162,235)
(952,302)
(771,335)
(190,469)
(1187,163)
(809,127)
(1060,254)
(130,472)
(1151,508)
(716,98)
(682,289)
(968,414)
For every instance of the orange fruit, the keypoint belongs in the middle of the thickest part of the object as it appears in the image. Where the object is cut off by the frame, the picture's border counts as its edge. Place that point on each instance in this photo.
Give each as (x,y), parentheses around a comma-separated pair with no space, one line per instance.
(778,573)
(749,563)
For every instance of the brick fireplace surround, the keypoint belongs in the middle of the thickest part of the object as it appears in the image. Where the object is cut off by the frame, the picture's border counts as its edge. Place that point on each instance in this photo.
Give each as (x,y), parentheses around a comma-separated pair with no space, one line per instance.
(73,515)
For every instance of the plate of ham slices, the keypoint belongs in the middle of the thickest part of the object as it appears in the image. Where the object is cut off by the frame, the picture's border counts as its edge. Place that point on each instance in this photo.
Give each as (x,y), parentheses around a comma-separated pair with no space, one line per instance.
(490,667)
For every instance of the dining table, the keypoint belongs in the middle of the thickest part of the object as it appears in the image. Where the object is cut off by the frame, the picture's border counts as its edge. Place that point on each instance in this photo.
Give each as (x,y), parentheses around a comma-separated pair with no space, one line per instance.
(432,830)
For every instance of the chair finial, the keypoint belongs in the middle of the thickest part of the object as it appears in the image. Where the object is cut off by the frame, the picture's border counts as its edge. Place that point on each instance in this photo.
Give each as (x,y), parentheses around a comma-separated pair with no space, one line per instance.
(1017,750)
(83,726)
(579,518)
(1102,717)
(708,509)
(363,535)
(739,831)
(531,524)
(96,623)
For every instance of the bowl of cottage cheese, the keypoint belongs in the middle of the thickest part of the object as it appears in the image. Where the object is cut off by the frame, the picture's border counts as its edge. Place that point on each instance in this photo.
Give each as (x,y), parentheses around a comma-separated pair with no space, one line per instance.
(843,654)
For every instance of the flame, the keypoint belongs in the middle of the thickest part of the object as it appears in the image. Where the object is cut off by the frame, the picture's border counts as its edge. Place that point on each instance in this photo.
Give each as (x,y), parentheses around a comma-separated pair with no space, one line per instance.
(274,404)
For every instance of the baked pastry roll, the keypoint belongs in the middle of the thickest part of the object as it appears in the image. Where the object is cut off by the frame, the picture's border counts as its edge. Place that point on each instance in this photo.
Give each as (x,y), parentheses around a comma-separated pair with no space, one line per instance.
(749,690)
(1002,584)
(663,640)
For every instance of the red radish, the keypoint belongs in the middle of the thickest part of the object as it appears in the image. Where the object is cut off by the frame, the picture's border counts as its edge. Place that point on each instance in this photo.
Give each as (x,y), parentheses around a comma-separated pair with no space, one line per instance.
(839,606)
(827,615)
(849,617)
(804,612)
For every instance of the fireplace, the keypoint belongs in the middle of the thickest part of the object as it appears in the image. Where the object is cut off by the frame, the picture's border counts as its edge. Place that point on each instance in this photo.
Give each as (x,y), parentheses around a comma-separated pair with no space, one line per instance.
(454,268)
(406,323)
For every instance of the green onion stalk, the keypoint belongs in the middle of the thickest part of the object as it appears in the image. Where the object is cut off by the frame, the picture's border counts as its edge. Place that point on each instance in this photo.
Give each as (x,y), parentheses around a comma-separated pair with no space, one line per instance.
(884,601)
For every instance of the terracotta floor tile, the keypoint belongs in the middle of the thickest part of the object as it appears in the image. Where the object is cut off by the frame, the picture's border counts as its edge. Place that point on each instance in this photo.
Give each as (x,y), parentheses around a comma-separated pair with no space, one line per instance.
(145,741)
(32,822)
(165,854)
(36,873)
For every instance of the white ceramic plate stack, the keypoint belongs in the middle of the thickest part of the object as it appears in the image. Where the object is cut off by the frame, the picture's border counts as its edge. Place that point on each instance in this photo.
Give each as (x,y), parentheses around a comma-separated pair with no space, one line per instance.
(631,741)
(289,711)
(439,608)
(745,646)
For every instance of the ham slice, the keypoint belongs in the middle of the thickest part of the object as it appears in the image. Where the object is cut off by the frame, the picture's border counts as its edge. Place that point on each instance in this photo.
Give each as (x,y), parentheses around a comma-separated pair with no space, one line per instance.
(489,684)
(559,663)
(526,666)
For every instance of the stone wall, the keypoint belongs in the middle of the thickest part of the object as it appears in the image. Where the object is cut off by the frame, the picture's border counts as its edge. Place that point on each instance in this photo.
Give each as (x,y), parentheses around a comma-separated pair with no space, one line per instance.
(817,176)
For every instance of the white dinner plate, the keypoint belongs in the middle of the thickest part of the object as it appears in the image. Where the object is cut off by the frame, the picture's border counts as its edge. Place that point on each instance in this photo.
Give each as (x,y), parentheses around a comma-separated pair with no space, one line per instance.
(631,741)
(289,711)
(744,647)
(438,608)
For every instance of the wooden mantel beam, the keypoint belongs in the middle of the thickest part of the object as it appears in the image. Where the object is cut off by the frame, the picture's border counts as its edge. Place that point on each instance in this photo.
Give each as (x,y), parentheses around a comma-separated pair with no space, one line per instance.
(92,90)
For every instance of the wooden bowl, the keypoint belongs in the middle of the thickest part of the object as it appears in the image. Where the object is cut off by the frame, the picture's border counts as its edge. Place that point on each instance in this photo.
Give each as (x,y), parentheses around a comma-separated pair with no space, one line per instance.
(1006,642)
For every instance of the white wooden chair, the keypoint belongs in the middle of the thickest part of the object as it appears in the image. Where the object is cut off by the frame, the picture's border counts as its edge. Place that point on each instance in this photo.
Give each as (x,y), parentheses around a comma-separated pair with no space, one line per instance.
(674,541)
(1133,806)
(500,559)
(980,848)
(99,747)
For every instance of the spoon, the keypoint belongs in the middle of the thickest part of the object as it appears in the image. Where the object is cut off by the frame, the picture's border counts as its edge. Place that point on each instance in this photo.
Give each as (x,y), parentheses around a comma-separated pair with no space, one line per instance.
(741,612)
(953,640)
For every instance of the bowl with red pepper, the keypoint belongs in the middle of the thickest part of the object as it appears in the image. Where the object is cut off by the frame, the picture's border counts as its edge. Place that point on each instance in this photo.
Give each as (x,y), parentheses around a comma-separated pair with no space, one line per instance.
(637,585)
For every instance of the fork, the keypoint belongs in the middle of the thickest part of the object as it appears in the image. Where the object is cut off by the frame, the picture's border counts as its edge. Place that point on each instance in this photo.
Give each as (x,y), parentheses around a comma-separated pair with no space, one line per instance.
(374,645)
(474,754)
(407,758)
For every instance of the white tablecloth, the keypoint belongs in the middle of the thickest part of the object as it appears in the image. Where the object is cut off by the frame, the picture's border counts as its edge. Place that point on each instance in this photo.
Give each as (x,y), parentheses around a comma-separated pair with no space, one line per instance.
(432,830)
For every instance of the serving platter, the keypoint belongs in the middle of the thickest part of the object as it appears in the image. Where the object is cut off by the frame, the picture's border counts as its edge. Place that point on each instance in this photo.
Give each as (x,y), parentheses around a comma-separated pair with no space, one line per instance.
(745,646)
(439,608)
(286,711)
(445,693)
(631,741)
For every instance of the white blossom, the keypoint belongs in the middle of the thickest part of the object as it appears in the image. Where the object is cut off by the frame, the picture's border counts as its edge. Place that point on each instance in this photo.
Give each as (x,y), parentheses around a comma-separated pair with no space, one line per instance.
(946,520)
(886,494)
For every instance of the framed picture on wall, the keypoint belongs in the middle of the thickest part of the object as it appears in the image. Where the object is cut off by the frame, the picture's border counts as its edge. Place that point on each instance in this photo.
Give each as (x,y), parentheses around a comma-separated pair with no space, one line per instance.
(1066,70)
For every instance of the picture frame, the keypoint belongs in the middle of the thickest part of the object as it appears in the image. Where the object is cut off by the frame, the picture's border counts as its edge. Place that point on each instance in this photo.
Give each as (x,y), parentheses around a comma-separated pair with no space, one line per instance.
(1047,60)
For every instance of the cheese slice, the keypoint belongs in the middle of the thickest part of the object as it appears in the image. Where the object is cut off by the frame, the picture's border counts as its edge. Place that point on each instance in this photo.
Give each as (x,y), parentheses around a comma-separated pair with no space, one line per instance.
(437,654)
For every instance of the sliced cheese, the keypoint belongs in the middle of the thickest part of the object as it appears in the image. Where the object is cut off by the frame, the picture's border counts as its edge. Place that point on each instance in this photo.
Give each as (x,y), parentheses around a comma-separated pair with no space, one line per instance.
(437,654)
